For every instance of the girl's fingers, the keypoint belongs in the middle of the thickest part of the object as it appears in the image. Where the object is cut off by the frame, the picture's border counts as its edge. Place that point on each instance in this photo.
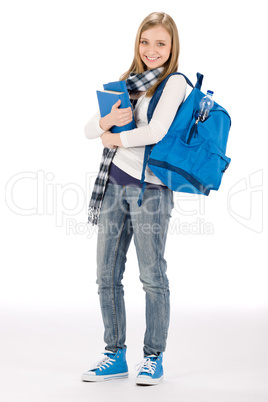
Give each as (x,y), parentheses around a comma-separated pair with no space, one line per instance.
(126,111)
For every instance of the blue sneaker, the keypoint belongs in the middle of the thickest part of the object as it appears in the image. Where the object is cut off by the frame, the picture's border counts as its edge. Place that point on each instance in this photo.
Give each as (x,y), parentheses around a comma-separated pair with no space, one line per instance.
(150,370)
(112,366)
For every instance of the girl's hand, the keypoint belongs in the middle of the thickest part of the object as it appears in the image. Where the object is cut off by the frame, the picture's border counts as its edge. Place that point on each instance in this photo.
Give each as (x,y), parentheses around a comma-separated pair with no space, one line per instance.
(111,140)
(117,117)
(106,140)
(120,117)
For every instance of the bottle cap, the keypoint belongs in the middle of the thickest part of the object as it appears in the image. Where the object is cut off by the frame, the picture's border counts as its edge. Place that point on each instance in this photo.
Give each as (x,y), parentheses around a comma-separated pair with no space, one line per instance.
(210,93)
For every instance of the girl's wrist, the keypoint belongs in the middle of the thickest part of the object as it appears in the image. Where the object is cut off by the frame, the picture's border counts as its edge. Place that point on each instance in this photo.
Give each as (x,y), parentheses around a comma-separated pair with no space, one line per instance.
(111,140)
(114,139)
(105,123)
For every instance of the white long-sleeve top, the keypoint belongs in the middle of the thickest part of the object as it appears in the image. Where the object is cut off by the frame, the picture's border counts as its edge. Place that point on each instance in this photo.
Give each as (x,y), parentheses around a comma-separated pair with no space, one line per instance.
(130,157)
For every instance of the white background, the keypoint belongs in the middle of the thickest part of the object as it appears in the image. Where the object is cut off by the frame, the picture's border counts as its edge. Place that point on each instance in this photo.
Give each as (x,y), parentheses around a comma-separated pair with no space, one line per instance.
(54,55)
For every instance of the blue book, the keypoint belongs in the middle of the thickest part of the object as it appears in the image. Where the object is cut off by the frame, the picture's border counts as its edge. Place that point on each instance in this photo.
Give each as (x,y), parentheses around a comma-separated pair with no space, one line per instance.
(112,92)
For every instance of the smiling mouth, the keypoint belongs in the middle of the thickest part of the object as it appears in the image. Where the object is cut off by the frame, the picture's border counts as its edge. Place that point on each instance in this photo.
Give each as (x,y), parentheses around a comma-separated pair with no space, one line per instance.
(152,58)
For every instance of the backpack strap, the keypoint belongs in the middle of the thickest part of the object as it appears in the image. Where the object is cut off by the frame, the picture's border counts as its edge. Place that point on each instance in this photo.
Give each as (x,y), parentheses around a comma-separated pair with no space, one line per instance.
(199,81)
(152,105)
(147,152)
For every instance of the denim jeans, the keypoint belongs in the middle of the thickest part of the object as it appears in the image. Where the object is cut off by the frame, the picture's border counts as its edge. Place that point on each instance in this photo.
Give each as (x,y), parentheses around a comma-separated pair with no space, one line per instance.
(120,220)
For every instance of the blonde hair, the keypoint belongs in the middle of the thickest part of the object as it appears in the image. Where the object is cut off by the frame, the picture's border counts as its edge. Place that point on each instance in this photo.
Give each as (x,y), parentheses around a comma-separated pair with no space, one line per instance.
(171,64)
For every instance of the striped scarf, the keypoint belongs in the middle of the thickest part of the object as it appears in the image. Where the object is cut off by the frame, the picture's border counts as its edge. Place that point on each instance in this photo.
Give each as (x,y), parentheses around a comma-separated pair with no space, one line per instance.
(135,82)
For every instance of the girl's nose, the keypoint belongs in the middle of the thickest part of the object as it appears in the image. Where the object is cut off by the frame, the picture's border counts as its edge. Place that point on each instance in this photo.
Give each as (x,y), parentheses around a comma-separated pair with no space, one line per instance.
(152,50)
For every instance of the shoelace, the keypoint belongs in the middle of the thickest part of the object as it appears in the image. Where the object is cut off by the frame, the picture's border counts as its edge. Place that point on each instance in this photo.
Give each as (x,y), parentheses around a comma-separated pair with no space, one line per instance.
(146,365)
(104,362)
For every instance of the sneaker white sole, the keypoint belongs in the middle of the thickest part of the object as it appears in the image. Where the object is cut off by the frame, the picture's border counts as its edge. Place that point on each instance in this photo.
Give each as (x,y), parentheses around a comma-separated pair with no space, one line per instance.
(145,380)
(97,378)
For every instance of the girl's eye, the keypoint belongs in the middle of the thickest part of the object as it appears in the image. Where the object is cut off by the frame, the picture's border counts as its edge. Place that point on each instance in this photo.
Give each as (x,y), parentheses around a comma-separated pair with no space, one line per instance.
(143,42)
(161,44)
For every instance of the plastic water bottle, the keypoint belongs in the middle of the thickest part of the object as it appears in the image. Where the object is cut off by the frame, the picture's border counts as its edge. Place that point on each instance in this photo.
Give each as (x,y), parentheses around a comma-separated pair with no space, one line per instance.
(206,104)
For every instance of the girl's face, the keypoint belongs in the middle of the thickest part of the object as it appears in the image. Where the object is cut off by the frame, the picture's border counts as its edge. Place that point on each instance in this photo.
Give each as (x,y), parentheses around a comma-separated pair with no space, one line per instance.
(155,47)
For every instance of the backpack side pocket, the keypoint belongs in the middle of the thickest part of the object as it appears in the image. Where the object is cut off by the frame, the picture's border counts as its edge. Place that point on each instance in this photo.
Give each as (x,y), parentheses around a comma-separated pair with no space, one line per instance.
(210,164)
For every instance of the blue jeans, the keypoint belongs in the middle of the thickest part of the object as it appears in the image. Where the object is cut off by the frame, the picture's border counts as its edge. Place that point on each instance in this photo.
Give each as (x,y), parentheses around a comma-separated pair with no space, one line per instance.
(120,219)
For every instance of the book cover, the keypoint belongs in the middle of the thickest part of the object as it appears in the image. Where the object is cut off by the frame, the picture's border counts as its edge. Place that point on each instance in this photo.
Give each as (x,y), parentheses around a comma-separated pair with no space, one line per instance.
(119,86)
(112,92)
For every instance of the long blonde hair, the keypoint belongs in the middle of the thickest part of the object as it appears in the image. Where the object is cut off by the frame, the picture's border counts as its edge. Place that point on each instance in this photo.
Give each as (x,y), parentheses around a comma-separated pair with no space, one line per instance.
(171,64)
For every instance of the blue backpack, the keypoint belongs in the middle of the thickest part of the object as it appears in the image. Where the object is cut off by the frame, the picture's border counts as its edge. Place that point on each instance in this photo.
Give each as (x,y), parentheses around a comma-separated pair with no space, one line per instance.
(190,158)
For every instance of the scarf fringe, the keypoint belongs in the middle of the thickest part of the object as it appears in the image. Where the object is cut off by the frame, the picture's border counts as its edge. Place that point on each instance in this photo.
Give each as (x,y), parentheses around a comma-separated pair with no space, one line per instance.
(93,215)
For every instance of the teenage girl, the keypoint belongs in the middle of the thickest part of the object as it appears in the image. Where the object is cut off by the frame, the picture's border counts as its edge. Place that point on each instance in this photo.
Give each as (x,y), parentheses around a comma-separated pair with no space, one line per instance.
(156,56)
